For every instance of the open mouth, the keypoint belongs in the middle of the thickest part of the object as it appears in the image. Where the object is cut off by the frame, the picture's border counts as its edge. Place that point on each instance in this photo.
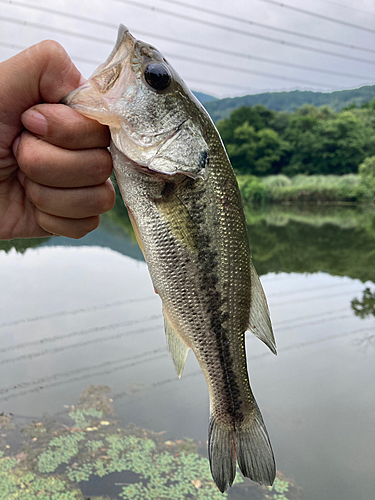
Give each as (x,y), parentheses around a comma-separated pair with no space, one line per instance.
(94,97)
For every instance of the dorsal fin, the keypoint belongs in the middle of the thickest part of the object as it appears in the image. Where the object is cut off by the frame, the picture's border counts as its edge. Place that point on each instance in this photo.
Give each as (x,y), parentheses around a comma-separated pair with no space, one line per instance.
(260,321)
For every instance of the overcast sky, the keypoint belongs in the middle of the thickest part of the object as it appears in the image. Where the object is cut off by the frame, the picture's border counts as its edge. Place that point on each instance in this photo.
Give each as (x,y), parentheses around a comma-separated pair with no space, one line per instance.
(251,52)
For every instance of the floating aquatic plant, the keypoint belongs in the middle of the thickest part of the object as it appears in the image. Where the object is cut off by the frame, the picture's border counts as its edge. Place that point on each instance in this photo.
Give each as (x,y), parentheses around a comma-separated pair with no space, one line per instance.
(61,449)
(279,489)
(162,475)
(57,458)
(20,484)
(79,416)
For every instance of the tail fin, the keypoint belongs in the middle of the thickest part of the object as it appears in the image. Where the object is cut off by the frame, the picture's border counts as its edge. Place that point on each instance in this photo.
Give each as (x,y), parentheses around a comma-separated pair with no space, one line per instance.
(222,454)
(249,445)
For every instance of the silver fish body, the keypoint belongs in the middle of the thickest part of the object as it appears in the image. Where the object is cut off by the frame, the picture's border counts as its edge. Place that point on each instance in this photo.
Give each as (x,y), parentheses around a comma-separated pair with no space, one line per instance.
(184,203)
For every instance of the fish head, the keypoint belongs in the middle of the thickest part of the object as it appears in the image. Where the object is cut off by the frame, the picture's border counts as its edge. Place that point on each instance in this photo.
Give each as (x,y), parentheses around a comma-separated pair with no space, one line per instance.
(153,117)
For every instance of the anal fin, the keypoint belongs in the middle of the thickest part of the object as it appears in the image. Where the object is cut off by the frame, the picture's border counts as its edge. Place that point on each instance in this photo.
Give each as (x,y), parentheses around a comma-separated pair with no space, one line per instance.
(177,347)
(260,321)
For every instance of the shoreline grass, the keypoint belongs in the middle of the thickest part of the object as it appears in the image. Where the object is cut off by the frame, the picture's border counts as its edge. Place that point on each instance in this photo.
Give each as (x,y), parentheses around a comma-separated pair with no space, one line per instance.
(305,189)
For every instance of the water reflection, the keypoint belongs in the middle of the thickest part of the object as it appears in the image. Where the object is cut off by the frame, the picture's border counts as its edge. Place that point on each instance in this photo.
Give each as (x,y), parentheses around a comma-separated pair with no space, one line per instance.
(338,241)
(365,307)
(70,317)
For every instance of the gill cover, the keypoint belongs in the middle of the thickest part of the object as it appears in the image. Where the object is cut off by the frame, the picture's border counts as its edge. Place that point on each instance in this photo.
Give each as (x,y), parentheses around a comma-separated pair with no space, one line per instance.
(150,126)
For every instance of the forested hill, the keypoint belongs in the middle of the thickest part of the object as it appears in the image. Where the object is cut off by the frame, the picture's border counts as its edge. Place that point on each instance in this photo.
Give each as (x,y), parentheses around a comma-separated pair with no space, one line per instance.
(204,98)
(290,101)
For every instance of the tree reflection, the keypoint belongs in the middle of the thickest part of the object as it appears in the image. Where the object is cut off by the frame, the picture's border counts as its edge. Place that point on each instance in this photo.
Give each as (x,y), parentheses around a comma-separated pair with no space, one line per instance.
(365,307)
(366,342)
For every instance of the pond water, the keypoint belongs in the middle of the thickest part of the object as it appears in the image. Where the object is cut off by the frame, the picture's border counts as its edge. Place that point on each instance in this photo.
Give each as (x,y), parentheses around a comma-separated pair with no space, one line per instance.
(81,313)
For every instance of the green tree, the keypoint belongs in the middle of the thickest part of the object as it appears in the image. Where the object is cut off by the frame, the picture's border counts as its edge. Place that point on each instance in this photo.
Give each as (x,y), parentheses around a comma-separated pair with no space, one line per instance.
(258,117)
(242,149)
(256,152)
(270,150)
(324,142)
(311,141)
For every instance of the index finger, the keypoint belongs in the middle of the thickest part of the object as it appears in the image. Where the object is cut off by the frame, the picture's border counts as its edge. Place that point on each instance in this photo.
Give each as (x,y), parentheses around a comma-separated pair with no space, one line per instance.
(62,126)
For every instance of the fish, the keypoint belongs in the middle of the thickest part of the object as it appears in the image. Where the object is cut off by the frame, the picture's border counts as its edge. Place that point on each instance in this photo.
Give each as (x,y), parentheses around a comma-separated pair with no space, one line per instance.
(184,203)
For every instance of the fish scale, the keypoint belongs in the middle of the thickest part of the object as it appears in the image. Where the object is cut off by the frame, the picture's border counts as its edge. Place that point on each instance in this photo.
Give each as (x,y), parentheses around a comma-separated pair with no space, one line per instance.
(185,206)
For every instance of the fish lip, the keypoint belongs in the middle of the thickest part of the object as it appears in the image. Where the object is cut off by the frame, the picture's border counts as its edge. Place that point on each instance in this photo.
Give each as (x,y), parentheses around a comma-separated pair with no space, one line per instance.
(69,97)
(123,49)
(123,36)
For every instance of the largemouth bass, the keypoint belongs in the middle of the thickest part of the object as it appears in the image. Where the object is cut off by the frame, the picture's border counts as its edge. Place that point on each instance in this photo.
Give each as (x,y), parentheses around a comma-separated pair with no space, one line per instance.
(184,203)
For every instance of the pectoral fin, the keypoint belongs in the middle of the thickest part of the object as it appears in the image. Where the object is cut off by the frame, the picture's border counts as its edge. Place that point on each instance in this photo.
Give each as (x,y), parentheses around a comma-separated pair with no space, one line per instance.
(260,321)
(178,219)
(136,232)
(177,347)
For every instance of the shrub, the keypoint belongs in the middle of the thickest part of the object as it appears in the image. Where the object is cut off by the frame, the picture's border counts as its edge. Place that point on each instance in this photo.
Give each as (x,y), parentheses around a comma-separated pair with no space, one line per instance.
(366,172)
(276,181)
(252,189)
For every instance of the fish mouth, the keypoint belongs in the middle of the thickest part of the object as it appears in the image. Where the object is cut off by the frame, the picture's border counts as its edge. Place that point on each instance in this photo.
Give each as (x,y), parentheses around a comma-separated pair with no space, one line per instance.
(93,99)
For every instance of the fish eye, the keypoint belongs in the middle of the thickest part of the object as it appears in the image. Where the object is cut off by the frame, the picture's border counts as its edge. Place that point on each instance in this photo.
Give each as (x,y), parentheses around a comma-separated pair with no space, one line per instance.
(157,76)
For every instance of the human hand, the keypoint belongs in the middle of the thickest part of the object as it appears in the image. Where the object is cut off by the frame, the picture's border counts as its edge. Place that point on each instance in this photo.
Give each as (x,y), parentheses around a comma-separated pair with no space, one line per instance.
(53,175)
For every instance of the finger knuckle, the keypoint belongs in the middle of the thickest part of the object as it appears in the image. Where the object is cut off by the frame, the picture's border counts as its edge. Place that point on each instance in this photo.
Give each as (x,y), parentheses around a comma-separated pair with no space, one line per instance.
(42,220)
(36,194)
(92,223)
(106,198)
(29,156)
(83,227)
(103,167)
(50,50)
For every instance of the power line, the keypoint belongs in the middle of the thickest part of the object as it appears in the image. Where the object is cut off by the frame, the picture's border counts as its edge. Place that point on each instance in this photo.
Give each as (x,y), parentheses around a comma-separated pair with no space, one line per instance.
(218,84)
(319,16)
(191,44)
(56,338)
(251,57)
(367,12)
(57,30)
(265,26)
(13,46)
(304,299)
(199,9)
(73,312)
(76,371)
(76,345)
(250,358)
(242,32)
(309,289)
(265,74)
(82,377)
(95,62)
(66,14)
(198,61)
(243,70)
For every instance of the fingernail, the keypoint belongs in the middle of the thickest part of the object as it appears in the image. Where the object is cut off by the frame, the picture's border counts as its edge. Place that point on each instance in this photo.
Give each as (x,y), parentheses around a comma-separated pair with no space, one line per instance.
(15,145)
(34,121)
